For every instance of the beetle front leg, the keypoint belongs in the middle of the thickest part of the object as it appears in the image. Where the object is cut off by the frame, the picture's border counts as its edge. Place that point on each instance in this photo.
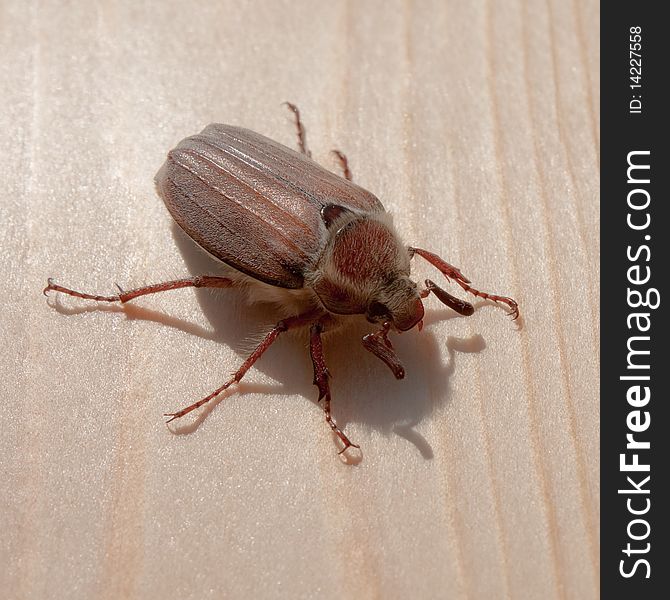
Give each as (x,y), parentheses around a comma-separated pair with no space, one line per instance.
(281,327)
(201,281)
(451,272)
(321,376)
(379,344)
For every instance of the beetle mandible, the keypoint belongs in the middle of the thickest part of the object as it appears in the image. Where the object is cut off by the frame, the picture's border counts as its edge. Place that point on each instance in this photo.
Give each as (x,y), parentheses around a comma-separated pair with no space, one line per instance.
(299,234)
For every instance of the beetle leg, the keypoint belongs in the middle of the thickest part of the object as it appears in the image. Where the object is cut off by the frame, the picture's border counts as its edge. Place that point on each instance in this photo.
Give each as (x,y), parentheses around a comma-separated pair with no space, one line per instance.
(302,138)
(344,163)
(379,344)
(281,327)
(200,281)
(321,376)
(451,272)
(460,306)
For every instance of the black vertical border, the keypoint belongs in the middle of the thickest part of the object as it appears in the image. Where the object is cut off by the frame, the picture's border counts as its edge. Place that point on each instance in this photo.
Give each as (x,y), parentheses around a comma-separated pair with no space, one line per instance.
(621,133)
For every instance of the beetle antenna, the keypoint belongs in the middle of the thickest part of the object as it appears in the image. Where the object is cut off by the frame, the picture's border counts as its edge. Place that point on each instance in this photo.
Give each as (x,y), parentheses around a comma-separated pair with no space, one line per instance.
(460,306)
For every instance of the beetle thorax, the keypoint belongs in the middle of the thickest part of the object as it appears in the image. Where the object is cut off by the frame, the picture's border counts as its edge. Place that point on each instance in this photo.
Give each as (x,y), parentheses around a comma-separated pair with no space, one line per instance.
(364,265)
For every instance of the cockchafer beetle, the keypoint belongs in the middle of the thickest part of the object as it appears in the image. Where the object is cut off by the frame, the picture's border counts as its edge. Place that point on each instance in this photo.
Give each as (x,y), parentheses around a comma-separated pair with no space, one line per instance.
(298,235)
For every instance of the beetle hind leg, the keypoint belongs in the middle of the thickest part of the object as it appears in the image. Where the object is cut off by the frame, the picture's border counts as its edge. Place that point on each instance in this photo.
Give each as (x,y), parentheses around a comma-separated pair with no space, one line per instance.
(302,142)
(344,163)
(321,376)
(302,137)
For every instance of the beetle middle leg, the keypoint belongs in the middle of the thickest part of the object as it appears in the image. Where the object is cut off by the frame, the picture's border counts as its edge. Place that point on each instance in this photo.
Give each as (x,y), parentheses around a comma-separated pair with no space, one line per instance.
(281,327)
(321,376)
(302,137)
(451,272)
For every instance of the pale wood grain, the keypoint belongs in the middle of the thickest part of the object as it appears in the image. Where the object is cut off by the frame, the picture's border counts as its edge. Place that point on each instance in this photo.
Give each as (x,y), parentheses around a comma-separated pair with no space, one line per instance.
(477,124)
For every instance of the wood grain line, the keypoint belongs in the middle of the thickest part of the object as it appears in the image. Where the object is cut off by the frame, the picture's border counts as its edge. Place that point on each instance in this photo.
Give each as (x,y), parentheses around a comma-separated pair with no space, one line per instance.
(541,468)
(551,271)
(574,185)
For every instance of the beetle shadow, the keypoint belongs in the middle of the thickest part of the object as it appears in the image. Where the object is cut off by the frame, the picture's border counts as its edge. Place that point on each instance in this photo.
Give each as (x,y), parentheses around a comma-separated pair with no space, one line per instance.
(363,389)
(385,404)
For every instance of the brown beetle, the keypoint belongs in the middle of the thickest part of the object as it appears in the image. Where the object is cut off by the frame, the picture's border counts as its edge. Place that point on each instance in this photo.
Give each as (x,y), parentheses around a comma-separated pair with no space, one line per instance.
(298,235)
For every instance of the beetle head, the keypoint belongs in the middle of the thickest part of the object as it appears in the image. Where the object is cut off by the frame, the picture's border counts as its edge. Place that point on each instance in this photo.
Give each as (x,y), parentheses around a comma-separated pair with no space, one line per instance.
(364,269)
(397,301)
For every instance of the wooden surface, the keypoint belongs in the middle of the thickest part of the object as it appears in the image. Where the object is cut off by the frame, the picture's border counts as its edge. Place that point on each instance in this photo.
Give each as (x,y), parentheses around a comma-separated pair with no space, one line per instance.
(477,125)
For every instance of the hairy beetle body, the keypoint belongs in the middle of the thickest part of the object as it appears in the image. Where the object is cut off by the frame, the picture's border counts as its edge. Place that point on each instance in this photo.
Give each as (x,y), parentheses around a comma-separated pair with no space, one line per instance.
(295,234)
(282,219)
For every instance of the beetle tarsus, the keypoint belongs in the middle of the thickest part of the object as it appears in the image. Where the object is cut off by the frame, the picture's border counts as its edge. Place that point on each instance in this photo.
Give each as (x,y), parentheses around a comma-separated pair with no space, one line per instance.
(513,305)
(344,163)
(51,286)
(302,136)
(199,403)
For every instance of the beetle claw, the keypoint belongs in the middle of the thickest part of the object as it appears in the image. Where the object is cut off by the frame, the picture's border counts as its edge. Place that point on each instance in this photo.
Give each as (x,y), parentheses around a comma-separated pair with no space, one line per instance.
(49,286)
(514,312)
(348,445)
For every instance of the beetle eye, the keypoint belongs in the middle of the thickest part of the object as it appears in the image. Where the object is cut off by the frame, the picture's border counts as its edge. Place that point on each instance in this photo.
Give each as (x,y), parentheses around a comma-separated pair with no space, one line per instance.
(376,311)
